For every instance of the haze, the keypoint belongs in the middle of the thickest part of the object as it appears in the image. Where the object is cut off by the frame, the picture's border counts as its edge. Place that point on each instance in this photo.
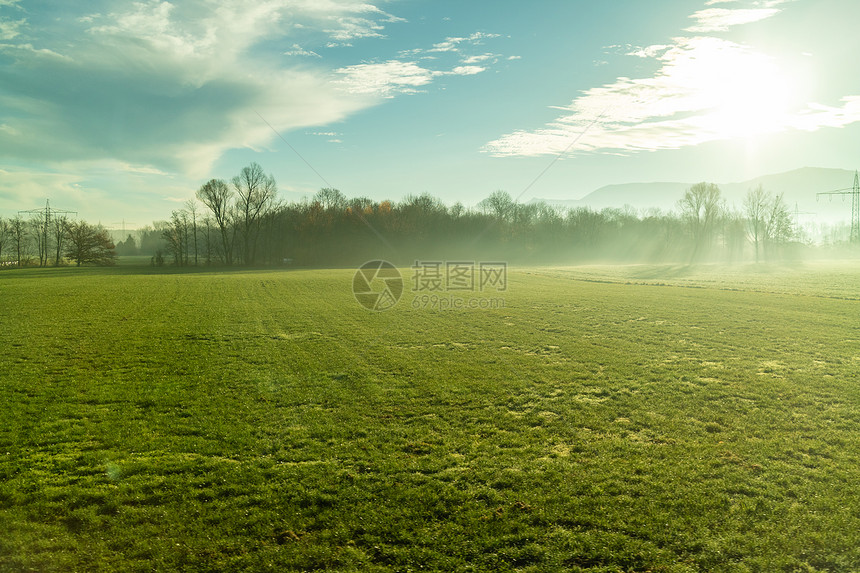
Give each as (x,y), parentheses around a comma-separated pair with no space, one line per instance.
(121,110)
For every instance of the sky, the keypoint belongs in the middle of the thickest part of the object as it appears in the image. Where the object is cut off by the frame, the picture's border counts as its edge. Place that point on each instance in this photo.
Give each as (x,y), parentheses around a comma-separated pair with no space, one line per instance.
(121,110)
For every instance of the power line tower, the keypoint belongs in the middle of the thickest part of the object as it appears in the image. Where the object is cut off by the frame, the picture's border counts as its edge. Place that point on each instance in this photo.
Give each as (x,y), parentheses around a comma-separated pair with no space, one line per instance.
(46,216)
(799,234)
(797,213)
(854,191)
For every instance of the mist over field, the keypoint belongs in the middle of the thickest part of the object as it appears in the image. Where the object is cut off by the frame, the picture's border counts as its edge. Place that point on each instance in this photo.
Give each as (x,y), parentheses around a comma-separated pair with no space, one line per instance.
(244,222)
(429,286)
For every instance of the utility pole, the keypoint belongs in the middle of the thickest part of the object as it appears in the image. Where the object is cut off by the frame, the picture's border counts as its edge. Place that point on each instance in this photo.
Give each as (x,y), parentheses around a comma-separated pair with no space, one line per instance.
(46,216)
(854,237)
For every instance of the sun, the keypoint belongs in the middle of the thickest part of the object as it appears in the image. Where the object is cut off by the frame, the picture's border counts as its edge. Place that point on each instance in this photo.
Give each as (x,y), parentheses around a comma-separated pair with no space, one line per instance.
(748,94)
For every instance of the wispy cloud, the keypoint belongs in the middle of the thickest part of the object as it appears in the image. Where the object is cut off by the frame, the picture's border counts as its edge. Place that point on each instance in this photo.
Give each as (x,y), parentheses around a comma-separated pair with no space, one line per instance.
(456,44)
(721,19)
(10,29)
(405,76)
(297,50)
(385,79)
(22,189)
(705,89)
(468,60)
(388,79)
(167,86)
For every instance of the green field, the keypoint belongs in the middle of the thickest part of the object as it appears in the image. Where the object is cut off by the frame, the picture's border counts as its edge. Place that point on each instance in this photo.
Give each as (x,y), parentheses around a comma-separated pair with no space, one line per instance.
(606,419)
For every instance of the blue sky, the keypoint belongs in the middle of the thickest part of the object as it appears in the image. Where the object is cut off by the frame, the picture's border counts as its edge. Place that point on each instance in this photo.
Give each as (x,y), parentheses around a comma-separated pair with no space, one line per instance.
(121,110)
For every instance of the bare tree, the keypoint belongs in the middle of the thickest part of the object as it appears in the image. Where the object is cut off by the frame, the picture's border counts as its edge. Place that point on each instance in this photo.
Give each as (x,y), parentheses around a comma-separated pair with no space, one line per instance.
(58,230)
(255,194)
(191,207)
(780,227)
(768,219)
(755,208)
(175,235)
(701,207)
(89,244)
(207,238)
(218,197)
(18,230)
(39,226)
(330,198)
(500,204)
(5,234)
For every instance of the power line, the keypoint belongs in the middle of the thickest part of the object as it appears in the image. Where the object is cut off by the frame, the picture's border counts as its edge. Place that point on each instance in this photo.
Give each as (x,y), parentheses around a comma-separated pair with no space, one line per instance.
(854,192)
(329,185)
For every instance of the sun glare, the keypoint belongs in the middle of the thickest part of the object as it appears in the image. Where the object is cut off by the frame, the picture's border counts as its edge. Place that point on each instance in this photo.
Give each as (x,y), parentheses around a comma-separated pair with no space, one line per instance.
(749,95)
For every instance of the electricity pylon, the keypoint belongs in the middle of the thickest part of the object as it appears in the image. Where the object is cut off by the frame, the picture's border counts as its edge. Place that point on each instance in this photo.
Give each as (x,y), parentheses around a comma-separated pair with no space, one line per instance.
(48,211)
(45,226)
(854,191)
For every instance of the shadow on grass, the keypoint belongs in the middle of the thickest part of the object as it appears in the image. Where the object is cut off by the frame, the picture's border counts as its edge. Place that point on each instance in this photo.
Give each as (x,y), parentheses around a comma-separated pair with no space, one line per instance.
(666,271)
(134,268)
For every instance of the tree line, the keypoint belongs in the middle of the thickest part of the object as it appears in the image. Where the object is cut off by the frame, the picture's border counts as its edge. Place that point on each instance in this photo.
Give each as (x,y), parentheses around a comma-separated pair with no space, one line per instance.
(242,222)
(46,240)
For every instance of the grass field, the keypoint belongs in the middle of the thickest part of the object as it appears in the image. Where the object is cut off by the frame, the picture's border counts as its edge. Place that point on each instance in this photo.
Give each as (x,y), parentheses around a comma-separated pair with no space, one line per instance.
(606,419)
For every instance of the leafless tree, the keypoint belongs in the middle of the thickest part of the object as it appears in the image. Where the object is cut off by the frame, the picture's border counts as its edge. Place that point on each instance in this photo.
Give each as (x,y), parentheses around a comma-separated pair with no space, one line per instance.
(5,234)
(255,194)
(18,230)
(218,197)
(330,198)
(755,208)
(701,207)
(175,235)
(58,230)
(768,219)
(191,207)
(39,227)
(780,227)
(207,238)
(89,244)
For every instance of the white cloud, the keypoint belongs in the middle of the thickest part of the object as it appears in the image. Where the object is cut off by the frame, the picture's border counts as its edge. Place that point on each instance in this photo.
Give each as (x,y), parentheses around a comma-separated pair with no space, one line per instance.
(706,89)
(721,19)
(150,88)
(467,70)
(479,58)
(385,79)
(817,115)
(10,29)
(297,50)
(25,189)
(169,86)
(649,51)
(141,169)
(456,44)
(31,51)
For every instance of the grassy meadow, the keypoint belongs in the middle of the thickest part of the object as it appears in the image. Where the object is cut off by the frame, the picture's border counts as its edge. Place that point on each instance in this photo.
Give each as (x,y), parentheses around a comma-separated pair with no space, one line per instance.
(605,419)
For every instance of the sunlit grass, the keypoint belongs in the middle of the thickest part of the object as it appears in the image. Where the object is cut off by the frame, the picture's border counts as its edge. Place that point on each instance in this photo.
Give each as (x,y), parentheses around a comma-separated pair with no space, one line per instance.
(604,420)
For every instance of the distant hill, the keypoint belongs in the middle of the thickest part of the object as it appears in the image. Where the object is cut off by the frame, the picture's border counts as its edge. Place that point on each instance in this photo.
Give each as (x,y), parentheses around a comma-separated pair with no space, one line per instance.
(798,188)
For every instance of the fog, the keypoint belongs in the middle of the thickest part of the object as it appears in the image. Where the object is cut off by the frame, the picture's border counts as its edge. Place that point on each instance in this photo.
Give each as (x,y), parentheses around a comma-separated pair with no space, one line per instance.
(244,224)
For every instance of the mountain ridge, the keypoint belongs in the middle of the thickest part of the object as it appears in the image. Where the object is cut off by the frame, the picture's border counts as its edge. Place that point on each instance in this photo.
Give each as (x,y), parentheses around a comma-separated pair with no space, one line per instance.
(798,186)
